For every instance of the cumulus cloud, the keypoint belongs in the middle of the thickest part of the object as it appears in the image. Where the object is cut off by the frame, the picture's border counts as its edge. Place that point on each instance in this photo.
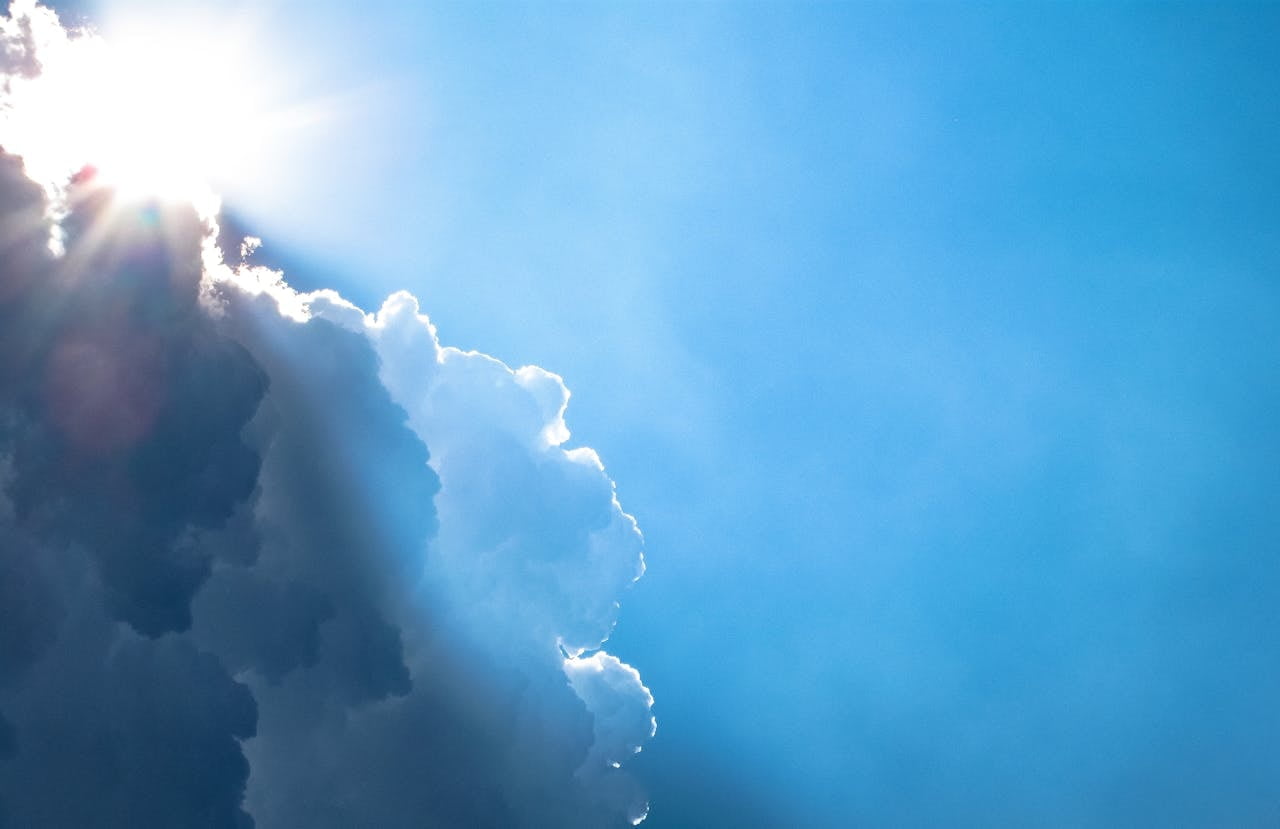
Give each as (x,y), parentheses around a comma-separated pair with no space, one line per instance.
(269,560)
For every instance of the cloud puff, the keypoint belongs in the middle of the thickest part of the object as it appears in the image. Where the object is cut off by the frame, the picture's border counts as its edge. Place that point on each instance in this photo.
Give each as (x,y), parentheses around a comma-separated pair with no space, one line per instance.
(456,592)
(19,36)
(266,559)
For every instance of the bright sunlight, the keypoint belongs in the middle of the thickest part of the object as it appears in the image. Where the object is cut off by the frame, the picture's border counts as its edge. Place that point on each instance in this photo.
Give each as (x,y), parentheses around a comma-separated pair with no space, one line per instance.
(158,110)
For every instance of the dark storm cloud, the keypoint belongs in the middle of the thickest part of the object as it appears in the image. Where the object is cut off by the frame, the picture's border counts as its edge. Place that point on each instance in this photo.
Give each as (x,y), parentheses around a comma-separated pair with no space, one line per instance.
(266,560)
(114,470)
(122,449)
(114,730)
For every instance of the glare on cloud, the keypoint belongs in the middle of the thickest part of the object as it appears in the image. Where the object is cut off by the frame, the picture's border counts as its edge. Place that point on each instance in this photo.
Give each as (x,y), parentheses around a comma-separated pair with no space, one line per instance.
(159,111)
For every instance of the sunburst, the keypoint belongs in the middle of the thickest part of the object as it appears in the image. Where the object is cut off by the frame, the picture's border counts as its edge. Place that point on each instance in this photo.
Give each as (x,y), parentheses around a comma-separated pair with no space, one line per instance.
(160,110)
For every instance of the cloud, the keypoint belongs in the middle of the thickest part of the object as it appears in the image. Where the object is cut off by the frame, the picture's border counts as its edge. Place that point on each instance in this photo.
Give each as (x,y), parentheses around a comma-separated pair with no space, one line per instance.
(18,39)
(118,465)
(268,560)
(457,590)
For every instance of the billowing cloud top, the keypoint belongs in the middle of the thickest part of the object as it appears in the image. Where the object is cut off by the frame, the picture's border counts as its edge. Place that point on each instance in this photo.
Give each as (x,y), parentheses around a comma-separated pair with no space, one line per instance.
(268,560)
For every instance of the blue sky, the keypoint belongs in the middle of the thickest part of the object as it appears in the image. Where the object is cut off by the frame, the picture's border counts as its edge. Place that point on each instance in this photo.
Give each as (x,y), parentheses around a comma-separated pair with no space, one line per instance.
(934,348)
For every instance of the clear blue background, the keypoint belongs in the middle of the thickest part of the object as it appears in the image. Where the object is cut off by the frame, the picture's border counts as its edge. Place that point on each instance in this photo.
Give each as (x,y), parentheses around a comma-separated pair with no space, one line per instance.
(934,347)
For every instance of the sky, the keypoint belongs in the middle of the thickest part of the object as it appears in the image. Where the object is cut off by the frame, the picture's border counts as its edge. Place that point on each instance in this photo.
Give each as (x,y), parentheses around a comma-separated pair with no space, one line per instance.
(931,346)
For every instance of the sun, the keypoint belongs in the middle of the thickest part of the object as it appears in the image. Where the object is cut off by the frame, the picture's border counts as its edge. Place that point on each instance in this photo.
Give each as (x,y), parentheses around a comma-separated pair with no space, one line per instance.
(151,116)
(160,110)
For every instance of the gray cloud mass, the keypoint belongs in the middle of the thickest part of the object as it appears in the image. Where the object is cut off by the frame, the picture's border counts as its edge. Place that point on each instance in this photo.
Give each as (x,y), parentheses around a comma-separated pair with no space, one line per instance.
(268,560)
